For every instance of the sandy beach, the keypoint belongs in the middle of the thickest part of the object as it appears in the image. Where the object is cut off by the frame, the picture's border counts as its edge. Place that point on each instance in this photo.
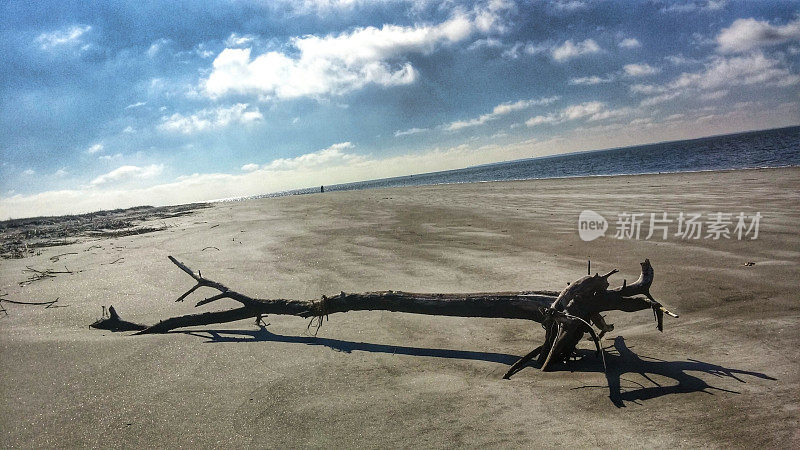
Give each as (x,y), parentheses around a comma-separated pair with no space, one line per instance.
(725,374)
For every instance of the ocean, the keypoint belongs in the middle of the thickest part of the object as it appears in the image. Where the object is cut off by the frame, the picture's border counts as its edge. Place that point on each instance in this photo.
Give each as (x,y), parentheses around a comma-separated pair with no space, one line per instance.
(756,149)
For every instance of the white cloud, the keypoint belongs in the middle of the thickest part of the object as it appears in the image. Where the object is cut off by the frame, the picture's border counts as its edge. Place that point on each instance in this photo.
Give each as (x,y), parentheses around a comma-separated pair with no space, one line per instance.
(569,5)
(538,120)
(629,43)
(746,34)
(592,80)
(582,110)
(526,47)
(128,173)
(500,110)
(60,172)
(237,40)
(110,157)
(63,37)
(736,71)
(135,105)
(210,118)
(128,130)
(249,167)
(409,131)
(640,70)
(591,111)
(323,8)
(336,64)
(569,49)
(715,95)
(331,156)
(695,6)
(28,172)
(156,47)
(721,73)
(95,148)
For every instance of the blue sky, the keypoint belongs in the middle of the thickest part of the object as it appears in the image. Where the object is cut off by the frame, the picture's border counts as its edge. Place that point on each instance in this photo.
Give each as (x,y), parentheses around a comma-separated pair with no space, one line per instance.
(114,104)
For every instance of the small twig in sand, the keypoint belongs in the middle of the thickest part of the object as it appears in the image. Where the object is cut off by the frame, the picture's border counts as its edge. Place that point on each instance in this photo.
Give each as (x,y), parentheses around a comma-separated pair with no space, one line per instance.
(214,226)
(94,246)
(47,305)
(55,258)
(113,262)
(209,247)
(41,274)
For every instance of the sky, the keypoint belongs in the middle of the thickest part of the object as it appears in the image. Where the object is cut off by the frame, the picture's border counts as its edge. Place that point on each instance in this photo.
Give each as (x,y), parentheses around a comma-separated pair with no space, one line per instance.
(114,104)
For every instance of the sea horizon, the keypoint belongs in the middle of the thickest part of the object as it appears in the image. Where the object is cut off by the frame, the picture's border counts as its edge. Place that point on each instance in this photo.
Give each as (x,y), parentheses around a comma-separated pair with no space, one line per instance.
(788,155)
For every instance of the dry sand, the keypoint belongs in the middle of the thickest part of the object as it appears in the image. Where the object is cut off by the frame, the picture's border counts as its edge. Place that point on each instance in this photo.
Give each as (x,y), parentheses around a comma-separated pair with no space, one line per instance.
(725,374)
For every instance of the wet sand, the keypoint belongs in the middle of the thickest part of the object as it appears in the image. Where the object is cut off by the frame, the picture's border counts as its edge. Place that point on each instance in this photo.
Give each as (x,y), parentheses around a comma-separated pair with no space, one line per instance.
(725,374)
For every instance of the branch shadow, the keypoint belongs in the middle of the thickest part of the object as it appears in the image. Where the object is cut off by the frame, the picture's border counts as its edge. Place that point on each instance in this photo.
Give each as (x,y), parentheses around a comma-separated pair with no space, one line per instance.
(264,335)
(620,360)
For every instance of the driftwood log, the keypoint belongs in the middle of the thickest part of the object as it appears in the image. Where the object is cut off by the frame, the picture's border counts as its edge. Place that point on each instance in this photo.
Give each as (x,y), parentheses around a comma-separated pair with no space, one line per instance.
(565,316)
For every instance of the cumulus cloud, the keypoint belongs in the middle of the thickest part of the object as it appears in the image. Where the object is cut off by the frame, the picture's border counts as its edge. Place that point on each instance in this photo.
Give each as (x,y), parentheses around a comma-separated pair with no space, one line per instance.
(569,50)
(249,167)
(210,118)
(63,37)
(591,111)
(335,64)
(629,43)
(28,172)
(128,173)
(747,34)
(640,70)
(500,110)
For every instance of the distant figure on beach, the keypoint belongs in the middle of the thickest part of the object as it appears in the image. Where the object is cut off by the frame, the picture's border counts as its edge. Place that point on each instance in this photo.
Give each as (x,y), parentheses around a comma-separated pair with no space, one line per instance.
(322,188)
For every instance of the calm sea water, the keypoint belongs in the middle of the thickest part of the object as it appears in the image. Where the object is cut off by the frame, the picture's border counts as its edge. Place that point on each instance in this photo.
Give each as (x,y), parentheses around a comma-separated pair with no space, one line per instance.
(769,148)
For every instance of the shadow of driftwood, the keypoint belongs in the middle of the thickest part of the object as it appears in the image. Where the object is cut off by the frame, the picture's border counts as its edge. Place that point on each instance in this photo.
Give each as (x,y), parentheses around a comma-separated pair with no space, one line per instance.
(264,335)
(620,360)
